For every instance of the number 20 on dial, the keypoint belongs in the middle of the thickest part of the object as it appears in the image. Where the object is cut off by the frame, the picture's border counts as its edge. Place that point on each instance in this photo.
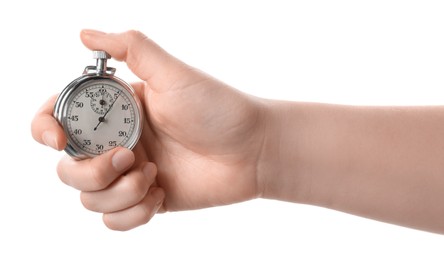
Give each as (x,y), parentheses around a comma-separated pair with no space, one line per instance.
(99,111)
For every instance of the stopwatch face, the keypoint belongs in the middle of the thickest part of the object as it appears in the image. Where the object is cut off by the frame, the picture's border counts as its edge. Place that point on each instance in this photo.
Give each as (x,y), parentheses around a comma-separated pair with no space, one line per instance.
(98,115)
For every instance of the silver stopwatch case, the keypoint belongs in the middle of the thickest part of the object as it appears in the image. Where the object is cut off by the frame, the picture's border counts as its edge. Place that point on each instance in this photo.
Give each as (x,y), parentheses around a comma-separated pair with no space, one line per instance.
(98,111)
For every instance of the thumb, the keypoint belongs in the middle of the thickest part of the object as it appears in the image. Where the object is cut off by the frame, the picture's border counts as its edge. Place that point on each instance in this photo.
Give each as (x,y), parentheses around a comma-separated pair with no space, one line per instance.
(144,57)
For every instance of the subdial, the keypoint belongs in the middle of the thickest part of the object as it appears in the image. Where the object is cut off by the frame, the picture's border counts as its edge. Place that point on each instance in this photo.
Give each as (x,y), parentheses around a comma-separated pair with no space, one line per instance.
(101,101)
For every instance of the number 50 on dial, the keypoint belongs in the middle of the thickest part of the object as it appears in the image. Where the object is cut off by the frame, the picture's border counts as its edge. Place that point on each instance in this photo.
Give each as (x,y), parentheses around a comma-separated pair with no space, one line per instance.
(98,112)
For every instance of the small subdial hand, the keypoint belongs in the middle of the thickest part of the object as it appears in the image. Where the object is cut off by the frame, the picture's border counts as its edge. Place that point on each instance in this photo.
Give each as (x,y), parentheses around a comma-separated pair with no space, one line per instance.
(101,101)
(102,118)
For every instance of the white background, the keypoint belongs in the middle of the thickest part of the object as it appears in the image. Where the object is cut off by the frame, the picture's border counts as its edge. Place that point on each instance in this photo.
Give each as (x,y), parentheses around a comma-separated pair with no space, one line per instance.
(346,52)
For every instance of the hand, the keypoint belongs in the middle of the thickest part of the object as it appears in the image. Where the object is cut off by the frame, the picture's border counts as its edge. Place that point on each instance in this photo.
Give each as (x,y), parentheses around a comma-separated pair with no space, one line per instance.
(204,137)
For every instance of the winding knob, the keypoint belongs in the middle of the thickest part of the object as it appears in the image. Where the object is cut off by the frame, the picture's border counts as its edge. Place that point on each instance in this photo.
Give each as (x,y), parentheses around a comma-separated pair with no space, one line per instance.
(103,55)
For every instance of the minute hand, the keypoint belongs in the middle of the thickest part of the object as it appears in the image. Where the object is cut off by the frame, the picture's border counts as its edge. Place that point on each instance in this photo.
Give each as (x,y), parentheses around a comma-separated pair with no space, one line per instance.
(102,118)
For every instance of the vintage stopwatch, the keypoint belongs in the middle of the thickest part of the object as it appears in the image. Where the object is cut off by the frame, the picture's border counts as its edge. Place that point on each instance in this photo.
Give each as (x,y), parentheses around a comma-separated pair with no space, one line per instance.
(99,111)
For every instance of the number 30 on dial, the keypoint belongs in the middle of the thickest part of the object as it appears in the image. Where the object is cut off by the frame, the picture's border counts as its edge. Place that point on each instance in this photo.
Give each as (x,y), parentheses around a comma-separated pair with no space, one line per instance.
(99,112)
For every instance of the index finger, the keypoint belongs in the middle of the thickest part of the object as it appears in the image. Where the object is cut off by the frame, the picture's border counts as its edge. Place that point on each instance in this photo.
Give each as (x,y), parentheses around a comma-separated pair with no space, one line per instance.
(143,56)
(45,129)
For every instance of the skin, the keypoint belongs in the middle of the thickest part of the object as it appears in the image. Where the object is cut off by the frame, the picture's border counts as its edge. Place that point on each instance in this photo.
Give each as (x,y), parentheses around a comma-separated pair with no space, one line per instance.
(206,144)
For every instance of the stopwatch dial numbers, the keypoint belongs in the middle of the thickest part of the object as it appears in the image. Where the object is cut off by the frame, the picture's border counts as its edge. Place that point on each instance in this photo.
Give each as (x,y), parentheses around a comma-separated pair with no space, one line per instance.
(96,127)
(101,100)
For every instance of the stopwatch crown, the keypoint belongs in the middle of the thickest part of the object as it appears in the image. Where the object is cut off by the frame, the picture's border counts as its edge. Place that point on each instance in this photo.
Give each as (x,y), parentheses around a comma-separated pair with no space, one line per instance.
(101,58)
(101,55)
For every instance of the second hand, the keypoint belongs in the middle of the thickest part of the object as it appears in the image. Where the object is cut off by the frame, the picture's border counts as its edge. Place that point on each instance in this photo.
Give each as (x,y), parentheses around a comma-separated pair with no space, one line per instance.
(102,118)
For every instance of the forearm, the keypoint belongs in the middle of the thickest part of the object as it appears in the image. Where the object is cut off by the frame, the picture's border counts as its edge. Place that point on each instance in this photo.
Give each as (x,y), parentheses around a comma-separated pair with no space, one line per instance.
(385,163)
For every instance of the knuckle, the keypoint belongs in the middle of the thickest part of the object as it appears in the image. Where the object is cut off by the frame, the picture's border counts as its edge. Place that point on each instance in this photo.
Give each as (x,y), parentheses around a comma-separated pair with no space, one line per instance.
(98,178)
(87,201)
(136,186)
(145,213)
(107,220)
(112,224)
(135,35)
(152,174)
(34,129)
(61,173)
(134,40)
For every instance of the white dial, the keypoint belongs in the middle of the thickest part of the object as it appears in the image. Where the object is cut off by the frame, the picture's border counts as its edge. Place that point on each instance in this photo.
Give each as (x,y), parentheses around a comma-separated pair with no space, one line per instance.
(98,111)
(101,115)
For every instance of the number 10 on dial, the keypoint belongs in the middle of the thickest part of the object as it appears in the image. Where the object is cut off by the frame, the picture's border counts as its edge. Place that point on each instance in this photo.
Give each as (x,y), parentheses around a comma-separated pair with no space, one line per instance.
(98,111)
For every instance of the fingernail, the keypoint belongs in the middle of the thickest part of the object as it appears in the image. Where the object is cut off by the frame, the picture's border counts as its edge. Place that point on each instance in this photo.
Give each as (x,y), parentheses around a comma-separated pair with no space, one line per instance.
(122,160)
(92,32)
(50,140)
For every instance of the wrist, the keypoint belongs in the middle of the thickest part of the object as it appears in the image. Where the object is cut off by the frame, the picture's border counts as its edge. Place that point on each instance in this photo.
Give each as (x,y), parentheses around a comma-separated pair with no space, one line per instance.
(300,145)
(277,165)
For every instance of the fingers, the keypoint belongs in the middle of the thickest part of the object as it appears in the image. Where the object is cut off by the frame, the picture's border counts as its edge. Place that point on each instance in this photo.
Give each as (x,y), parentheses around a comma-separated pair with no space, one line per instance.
(137,215)
(144,57)
(126,191)
(96,173)
(111,184)
(45,129)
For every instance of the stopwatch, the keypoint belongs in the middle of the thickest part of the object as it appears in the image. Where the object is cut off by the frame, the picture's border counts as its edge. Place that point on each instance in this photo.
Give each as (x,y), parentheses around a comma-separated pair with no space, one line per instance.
(98,111)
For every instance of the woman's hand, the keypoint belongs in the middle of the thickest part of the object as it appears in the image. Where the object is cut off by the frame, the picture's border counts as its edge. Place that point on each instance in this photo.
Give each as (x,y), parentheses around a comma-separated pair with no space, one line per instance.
(200,147)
